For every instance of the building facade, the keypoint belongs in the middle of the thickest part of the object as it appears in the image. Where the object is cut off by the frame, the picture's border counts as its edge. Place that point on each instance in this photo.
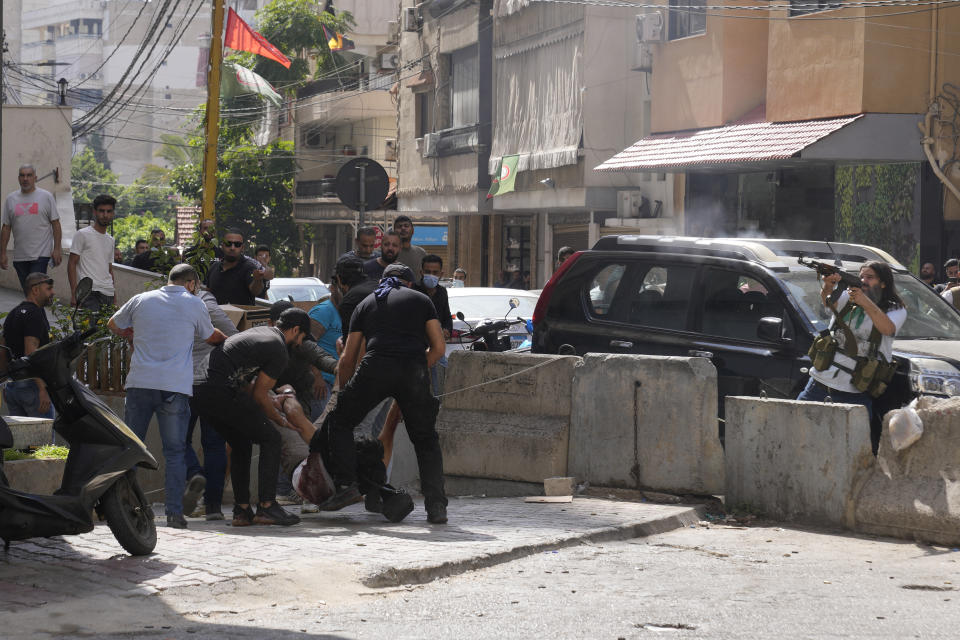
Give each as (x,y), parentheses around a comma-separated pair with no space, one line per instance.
(815,122)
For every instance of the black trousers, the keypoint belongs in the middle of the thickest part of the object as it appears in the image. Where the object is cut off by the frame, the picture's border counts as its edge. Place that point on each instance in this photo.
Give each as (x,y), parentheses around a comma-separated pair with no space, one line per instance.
(377,377)
(238,419)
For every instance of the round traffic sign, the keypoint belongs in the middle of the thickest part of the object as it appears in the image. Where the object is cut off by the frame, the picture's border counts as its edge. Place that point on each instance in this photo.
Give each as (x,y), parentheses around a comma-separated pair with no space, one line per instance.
(375,181)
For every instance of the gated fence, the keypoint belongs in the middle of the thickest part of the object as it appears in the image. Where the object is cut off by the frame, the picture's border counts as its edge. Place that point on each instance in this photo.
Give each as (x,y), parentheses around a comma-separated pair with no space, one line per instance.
(105,366)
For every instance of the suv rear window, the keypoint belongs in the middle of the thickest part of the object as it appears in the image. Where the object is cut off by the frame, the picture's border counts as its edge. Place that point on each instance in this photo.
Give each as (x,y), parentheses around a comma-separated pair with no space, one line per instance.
(652,295)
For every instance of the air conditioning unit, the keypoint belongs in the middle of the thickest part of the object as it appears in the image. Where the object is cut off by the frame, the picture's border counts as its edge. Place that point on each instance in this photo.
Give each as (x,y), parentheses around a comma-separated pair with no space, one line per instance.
(650,27)
(430,142)
(630,204)
(389,60)
(411,19)
(642,57)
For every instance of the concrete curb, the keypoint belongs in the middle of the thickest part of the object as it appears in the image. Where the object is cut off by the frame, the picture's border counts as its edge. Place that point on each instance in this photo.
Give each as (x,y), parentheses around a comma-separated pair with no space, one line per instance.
(394,577)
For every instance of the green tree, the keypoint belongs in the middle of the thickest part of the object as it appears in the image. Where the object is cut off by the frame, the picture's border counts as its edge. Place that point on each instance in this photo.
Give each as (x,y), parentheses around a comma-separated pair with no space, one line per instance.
(254,195)
(128,229)
(295,27)
(89,178)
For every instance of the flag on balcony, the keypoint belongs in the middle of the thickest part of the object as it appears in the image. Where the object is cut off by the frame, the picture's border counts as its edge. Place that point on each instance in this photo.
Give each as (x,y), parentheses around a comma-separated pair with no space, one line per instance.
(241,37)
(337,41)
(503,182)
(239,81)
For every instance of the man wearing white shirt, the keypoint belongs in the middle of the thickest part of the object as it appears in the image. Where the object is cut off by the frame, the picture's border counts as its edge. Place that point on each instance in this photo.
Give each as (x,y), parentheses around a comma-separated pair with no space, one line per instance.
(91,256)
(30,214)
(162,325)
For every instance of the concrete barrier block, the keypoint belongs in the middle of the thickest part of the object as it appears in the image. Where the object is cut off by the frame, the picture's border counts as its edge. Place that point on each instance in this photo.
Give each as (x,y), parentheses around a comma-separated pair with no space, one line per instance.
(646,422)
(538,385)
(506,416)
(915,493)
(796,460)
(35,476)
(30,432)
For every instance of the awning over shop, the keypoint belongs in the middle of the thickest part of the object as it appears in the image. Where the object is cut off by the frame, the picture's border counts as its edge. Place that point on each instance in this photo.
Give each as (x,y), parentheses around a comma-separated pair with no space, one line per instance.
(754,142)
(865,138)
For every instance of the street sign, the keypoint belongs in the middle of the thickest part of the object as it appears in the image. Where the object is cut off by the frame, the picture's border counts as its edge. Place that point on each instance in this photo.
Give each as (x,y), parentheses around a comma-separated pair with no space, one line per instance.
(362,184)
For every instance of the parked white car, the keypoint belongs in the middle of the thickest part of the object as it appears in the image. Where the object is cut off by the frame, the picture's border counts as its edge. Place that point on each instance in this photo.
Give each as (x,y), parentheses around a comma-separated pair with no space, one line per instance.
(479,304)
(300,289)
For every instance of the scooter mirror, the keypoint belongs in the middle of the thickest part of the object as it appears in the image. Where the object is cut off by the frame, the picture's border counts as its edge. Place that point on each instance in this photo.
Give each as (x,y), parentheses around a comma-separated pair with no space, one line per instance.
(460,315)
(514,303)
(84,288)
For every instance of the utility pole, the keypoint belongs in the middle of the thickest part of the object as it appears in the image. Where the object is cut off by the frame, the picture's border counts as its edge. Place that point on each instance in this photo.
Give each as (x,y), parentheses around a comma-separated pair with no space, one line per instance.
(213,114)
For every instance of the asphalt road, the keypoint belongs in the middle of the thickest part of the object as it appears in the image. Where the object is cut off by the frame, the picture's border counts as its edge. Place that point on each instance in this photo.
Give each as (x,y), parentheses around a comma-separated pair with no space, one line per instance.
(702,582)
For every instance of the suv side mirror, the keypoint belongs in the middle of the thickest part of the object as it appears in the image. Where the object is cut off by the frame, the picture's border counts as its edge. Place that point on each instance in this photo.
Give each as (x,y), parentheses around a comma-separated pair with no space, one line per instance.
(771,330)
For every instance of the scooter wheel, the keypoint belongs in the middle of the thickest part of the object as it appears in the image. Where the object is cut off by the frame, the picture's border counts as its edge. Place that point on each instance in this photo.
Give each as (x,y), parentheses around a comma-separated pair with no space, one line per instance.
(130,516)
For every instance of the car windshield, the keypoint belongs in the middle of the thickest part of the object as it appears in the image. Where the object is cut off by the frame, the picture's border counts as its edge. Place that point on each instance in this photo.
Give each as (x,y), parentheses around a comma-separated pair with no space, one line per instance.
(300,292)
(492,306)
(929,317)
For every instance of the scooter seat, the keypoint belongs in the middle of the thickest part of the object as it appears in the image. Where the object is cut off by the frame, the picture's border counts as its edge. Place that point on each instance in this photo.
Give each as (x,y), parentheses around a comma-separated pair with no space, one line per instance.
(6,436)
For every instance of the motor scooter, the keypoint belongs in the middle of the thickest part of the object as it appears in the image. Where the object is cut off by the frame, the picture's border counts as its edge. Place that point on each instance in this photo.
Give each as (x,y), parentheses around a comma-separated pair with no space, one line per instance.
(99,473)
(485,336)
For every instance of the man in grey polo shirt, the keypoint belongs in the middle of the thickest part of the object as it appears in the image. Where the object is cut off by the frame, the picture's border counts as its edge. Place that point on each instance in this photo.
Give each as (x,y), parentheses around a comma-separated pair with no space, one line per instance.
(162,325)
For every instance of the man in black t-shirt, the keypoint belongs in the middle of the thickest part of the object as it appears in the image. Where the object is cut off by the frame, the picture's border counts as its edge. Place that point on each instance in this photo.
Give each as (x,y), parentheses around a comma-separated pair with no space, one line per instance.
(389,250)
(234,398)
(236,279)
(25,330)
(403,339)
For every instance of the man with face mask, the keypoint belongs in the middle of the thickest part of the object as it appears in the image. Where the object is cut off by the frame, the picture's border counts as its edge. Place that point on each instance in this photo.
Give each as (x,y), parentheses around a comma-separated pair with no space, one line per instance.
(162,325)
(430,273)
(389,250)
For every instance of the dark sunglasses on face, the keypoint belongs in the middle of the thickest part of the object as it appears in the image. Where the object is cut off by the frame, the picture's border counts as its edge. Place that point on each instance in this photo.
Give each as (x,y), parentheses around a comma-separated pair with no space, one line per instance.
(233,243)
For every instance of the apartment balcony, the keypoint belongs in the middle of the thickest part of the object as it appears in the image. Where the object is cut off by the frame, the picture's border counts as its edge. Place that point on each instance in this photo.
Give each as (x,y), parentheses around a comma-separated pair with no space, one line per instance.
(337,102)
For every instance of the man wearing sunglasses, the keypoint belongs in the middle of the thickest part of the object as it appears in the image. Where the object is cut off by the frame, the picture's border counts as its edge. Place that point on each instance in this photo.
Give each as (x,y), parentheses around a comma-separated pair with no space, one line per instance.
(236,279)
(26,329)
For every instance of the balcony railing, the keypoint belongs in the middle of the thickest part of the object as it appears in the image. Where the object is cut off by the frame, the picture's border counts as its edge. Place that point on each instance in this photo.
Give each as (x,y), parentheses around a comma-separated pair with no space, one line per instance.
(324,188)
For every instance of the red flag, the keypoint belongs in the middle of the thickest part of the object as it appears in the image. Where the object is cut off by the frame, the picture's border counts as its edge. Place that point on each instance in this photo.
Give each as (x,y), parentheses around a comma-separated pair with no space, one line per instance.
(241,37)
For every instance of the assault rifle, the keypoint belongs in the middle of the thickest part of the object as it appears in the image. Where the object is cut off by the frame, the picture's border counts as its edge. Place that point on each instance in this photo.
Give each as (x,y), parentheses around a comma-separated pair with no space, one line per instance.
(826,269)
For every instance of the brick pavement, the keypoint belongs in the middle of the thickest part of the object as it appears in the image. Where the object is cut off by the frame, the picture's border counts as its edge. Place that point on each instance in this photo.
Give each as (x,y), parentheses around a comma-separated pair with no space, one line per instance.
(481,532)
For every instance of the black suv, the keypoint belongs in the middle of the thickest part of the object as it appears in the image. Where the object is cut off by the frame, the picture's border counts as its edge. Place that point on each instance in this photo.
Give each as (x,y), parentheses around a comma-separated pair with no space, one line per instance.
(745,304)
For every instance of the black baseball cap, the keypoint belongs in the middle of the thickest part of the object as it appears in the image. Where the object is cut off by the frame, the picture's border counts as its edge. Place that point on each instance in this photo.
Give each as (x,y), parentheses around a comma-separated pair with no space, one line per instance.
(399,270)
(348,264)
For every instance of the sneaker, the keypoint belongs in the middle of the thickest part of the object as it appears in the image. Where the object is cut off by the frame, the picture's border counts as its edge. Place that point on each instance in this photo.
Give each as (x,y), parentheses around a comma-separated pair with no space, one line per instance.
(372,502)
(242,517)
(345,496)
(275,514)
(309,507)
(289,499)
(176,521)
(215,515)
(193,492)
(437,514)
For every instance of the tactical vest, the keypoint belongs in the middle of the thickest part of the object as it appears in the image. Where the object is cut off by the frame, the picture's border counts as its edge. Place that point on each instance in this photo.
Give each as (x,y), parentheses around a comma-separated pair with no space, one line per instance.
(871,373)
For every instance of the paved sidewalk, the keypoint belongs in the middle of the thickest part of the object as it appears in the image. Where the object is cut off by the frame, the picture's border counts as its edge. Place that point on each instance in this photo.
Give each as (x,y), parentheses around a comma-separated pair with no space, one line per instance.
(482,532)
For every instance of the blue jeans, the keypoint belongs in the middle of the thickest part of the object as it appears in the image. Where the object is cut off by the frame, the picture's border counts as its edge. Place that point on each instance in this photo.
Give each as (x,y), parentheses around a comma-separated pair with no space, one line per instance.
(817,392)
(26,267)
(173,413)
(22,398)
(214,467)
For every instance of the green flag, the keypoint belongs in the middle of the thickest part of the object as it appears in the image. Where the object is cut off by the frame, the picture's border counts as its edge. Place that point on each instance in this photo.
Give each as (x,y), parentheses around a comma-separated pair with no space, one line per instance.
(238,81)
(503,182)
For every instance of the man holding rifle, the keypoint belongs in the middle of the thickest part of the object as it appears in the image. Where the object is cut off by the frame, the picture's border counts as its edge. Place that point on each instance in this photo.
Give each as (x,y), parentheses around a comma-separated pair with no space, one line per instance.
(852,362)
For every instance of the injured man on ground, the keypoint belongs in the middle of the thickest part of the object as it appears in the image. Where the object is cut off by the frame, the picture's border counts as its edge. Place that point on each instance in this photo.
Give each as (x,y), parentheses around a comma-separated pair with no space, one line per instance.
(308,471)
